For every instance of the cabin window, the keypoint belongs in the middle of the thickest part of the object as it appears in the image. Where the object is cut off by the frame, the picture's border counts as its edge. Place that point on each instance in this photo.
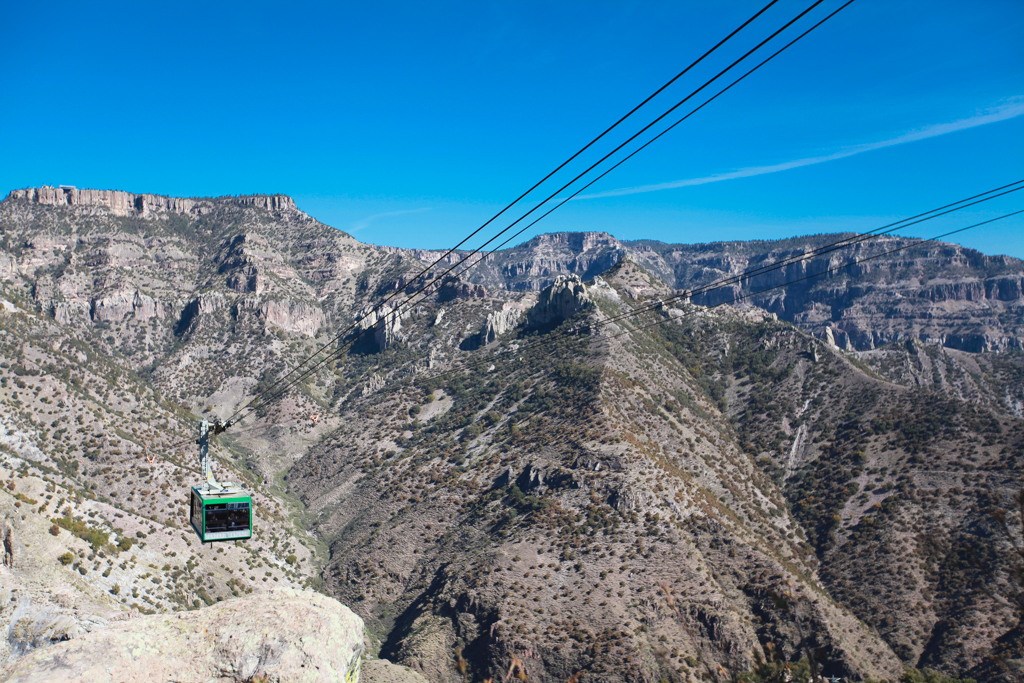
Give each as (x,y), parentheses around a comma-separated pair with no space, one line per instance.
(197,512)
(227,517)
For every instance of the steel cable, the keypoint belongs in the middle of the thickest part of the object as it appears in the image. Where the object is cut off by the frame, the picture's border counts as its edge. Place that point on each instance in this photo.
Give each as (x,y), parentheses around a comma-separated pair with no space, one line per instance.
(523,195)
(886,229)
(256,404)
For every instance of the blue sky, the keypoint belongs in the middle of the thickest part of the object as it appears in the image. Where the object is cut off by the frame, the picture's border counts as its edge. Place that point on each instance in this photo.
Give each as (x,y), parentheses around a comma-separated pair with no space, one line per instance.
(410,124)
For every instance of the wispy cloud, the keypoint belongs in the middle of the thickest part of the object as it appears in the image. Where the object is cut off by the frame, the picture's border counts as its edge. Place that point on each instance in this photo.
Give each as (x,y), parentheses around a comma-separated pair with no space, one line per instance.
(1003,112)
(364,223)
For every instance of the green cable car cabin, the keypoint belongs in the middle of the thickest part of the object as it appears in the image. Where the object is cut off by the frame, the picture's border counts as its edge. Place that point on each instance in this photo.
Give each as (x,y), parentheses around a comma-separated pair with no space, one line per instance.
(219,511)
(221,515)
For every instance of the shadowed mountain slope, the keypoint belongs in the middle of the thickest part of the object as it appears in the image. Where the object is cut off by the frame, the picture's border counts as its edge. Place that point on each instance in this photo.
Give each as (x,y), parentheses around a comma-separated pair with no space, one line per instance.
(497,475)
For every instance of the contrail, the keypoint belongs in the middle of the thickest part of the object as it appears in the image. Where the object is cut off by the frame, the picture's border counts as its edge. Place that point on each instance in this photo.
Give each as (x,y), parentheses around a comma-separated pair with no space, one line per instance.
(993,115)
(364,223)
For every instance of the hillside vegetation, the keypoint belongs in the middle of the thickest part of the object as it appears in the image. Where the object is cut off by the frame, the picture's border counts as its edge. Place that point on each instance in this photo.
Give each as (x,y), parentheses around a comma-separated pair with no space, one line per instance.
(497,477)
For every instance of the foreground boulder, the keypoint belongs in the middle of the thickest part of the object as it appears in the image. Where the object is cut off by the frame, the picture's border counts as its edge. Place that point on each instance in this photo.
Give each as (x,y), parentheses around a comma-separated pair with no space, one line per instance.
(283,635)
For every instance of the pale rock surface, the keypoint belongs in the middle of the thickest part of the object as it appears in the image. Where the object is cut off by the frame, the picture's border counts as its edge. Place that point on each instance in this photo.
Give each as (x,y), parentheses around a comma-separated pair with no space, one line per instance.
(565,297)
(376,382)
(498,323)
(71,312)
(385,322)
(602,290)
(281,635)
(293,316)
(119,305)
(121,203)
(830,338)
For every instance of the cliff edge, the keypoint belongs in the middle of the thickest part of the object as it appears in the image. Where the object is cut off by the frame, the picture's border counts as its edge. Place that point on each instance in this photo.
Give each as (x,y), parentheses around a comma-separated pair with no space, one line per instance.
(122,203)
(281,635)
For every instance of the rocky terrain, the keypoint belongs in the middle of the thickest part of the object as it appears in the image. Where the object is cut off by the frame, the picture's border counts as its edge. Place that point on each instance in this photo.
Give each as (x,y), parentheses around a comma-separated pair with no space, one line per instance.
(282,634)
(942,294)
(496,476)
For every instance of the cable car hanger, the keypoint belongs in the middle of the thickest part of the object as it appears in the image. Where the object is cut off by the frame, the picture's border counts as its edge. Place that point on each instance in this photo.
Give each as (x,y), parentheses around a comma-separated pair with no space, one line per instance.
(220,511)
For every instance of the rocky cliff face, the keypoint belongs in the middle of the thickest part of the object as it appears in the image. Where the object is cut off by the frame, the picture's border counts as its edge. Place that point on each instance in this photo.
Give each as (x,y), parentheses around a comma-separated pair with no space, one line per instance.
(657,498)
(939,293)
(282,634)
(561,300)
(120,203)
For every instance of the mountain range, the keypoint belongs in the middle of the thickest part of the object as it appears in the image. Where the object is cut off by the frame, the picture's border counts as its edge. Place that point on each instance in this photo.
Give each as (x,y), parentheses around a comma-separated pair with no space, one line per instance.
(575,456)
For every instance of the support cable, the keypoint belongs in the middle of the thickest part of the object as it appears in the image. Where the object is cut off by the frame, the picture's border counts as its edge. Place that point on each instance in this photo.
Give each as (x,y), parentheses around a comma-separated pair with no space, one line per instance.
(258,402)
(534,187)
(907,222)
(600,324)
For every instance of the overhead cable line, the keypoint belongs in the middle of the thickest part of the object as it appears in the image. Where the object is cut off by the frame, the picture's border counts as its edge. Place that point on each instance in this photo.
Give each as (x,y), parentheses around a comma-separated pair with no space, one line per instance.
(257,402)
(694,111)
(616,165)
(835,246)
(602,323)
(524,194)
(906,222)
(553,195)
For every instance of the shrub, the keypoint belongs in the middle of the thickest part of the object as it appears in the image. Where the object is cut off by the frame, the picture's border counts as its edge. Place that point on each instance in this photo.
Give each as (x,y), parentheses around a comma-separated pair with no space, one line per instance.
(125,543)
(291,559)
(54,530)
(66,559)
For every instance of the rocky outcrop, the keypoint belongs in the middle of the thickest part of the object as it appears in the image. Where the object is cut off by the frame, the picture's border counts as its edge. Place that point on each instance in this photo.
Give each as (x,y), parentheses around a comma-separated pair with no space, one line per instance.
(293,316)
(117,202)
(8,266)
(538,262)
(563,299)
(246,279)
(270,202)
(118,306)
(121,203)
(386,323)
(203,304)
(459,289)
(498,323)
(282,635)
(71,312)
(6,546)
(241,258)
(837,339)
(495,325)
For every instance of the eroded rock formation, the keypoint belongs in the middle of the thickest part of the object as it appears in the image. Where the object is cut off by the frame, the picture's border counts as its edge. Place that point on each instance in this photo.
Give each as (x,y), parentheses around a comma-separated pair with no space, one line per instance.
(386,323)
(283,635)
(564,298)
(128,204)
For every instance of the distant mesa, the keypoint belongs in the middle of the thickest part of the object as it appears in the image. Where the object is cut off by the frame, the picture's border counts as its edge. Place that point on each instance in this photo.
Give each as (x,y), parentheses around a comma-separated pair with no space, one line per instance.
(128,204)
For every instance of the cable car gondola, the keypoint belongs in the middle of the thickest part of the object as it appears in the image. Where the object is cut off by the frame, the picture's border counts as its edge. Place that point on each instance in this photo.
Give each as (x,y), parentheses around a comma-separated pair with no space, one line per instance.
(219,511)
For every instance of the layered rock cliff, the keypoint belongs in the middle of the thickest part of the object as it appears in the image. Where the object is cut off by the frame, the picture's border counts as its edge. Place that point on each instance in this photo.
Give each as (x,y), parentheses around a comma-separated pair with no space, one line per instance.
(654,499)
(939,293)
(120,203)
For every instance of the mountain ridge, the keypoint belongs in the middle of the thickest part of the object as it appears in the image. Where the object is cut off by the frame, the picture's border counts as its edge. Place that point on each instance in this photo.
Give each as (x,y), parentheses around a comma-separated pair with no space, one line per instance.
(651,498)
